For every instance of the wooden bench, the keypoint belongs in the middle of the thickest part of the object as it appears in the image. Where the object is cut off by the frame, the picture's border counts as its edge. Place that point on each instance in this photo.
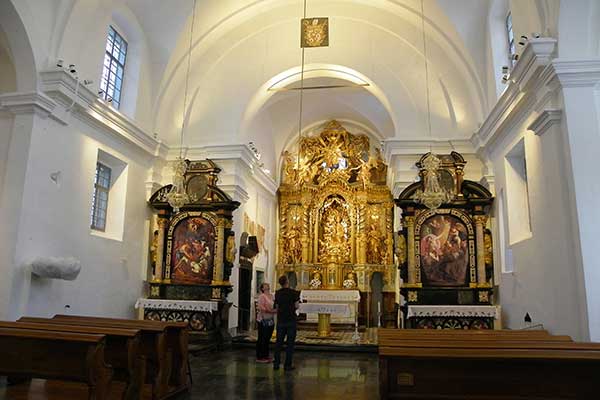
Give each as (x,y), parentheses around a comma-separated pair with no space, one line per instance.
(497,366)
(167,353)
(122,349)
(58,355)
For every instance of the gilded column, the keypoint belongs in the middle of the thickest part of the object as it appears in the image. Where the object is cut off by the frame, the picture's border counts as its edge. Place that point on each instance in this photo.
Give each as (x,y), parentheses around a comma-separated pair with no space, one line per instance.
(160,249)
(305,232)
(218,271)
(480,221)
(283,226)
(389,248)
(409,221)
(361,250)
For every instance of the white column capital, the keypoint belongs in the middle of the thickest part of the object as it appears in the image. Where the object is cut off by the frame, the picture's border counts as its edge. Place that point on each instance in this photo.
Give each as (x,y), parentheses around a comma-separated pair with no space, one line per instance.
(577,73)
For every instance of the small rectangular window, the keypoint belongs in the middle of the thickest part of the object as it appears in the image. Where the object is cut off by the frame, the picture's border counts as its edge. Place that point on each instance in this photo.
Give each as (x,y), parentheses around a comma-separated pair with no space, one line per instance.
(100,197)
(111,82)
(511,39)
(517,193)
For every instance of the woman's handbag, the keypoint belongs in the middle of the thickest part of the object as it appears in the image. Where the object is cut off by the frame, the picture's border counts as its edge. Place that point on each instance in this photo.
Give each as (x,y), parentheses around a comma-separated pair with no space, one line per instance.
(267,322)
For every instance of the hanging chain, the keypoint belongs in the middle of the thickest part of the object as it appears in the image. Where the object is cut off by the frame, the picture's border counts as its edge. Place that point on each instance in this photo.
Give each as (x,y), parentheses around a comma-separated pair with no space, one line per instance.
(426,74)
(187,80)
(301,98)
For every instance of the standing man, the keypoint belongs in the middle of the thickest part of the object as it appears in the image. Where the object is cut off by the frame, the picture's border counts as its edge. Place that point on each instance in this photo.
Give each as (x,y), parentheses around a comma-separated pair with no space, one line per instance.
(286,302)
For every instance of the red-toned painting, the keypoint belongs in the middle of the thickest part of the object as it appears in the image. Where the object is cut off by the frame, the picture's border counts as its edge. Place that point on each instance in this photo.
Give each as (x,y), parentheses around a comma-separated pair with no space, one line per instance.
(193,251)
(444,251)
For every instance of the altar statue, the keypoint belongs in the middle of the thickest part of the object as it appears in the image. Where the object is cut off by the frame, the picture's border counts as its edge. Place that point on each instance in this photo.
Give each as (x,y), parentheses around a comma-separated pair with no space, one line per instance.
(334,245)
(293,245)
(374,245)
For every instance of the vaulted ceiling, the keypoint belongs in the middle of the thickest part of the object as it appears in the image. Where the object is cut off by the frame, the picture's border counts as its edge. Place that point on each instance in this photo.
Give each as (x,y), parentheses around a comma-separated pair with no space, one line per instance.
(242,48)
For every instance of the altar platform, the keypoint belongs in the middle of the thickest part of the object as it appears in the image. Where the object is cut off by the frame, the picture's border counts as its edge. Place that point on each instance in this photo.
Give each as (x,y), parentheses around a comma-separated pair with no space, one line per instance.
(306,339)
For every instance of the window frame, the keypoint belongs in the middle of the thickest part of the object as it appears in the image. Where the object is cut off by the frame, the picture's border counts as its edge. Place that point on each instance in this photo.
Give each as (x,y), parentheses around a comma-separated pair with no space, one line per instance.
(100,213)
(113,67)
(510,38)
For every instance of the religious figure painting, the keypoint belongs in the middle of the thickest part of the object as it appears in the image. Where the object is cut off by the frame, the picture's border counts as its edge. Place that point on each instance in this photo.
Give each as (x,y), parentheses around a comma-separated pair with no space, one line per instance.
(444,251)
(193,251)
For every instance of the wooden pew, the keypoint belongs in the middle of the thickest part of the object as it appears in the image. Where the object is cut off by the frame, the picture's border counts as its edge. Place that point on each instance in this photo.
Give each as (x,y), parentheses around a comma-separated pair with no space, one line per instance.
(169,349)
(122,349)
(58,355)
(491,367)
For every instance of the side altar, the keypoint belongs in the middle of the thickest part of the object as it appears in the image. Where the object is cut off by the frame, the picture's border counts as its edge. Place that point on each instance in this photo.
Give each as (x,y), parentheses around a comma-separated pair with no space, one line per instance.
(445,248)
(336,222)
(192,255)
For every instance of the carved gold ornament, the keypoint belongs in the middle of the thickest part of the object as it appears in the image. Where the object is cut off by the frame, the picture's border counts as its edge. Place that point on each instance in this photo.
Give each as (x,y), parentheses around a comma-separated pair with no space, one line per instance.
(489,251)
(412,296)
(401,249)
(315,32)
(484,297)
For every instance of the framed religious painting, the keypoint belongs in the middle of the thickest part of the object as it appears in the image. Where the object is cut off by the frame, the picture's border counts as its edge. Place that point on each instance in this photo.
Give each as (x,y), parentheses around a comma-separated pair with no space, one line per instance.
(191,249)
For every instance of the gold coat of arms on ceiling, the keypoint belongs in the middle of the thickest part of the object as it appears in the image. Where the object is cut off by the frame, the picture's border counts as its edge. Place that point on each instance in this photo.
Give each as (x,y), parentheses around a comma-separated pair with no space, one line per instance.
(314,32)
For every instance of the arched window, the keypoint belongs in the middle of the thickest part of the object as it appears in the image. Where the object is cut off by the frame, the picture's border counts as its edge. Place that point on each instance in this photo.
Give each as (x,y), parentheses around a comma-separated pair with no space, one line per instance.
(113,71)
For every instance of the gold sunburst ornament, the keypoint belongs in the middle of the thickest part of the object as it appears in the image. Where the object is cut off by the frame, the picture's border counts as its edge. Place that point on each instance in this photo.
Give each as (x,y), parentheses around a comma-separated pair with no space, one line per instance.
(315,32)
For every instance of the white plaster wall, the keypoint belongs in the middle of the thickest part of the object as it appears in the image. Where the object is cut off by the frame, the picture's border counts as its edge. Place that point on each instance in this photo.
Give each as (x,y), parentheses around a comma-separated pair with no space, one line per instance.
(55,221)
(544,281)
(261,207)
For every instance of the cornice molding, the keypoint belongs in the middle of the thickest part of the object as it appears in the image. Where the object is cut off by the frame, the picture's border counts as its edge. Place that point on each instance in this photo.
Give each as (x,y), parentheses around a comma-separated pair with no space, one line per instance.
(545,120)
(236,192)
(87,107)
(394,147)
(27,103)
(535,57)
(530,75)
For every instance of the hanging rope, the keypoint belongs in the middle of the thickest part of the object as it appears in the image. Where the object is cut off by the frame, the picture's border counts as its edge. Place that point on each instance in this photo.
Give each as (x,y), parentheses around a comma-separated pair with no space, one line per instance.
(187,80)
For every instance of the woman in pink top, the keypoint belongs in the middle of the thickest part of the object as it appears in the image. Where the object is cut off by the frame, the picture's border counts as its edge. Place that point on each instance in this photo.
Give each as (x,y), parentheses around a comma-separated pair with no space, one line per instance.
(266,323)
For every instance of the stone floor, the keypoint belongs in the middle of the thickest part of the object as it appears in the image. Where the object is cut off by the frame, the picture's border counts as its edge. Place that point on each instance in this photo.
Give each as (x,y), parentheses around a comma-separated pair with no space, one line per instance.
(234,374)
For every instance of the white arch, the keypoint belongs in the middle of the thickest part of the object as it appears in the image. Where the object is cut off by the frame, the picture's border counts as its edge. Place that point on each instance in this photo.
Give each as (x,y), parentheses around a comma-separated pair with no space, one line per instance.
(20,47)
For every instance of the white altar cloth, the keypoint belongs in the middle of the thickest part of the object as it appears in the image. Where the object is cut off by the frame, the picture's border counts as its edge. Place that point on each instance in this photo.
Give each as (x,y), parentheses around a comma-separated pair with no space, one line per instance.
(342,310)
(183,305)
(348,298)
(330,295)
(453,311)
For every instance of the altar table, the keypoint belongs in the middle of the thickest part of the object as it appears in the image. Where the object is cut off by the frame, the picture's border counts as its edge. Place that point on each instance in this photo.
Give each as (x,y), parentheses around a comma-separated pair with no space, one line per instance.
(348,298)
(325,310)
(453,316)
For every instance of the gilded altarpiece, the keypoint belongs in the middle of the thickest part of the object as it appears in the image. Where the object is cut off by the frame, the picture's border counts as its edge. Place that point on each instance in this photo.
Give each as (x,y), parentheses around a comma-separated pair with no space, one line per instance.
(444,249)
(336,214)
(193,251)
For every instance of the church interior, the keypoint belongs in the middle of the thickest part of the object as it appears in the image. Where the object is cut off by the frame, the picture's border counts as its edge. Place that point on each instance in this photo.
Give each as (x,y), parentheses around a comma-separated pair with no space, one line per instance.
(420,171)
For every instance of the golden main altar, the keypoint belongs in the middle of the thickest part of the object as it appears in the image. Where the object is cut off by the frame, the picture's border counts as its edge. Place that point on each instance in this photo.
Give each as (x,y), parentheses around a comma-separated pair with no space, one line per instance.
(336,214)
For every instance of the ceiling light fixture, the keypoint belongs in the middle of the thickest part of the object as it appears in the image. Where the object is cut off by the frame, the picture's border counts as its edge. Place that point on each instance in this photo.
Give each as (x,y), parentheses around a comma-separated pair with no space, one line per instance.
(177,196)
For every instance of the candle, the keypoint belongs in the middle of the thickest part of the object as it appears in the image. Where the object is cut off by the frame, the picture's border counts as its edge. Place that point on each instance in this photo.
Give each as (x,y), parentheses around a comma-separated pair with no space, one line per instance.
(379,307)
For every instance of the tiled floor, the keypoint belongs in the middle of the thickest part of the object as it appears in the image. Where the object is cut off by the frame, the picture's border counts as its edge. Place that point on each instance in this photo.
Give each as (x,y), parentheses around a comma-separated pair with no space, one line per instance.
(234,374)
